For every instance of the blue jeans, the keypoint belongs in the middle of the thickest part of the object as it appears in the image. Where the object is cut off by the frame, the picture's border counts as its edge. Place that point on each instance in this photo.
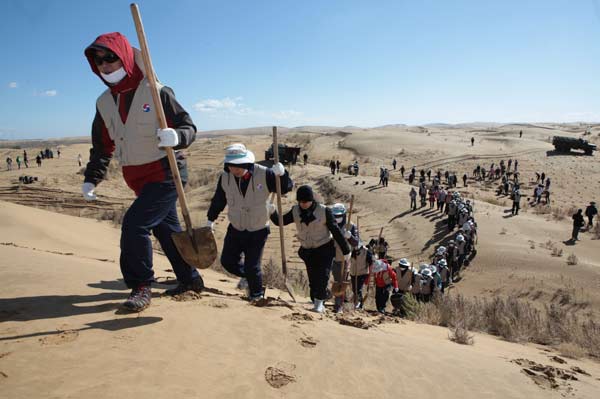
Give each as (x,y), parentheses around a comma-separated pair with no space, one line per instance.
(154,210)
(251,244)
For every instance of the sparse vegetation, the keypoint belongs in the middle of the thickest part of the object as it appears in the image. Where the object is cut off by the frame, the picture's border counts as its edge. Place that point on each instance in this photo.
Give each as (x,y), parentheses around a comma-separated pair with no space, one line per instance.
(572,260)
(512,319)
(202,177)
(503,231)
(557,252)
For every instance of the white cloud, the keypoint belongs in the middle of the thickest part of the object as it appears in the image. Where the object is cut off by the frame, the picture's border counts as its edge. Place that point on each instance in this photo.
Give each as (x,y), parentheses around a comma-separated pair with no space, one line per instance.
(49,93)
(213,105)
(13,85)
(235,106)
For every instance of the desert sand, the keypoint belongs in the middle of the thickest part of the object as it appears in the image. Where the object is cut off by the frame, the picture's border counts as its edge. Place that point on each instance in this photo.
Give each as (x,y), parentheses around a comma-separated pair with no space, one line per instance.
(62,336)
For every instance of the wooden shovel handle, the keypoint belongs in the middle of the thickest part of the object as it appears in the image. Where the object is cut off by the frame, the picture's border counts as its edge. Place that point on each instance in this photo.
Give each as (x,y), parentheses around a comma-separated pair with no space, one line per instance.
(279,212)
(160,113)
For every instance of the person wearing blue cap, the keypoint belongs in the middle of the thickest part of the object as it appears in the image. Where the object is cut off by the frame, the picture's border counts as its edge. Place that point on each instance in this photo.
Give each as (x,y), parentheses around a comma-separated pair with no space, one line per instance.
(244,187)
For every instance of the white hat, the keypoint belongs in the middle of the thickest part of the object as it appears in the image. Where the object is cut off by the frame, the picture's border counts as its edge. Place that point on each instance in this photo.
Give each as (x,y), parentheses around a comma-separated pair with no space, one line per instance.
(442,263)
(426,272)
(441,249)
(433,269)
(404,262)
(423,266)
(379,266)
(237,154)
(460,237)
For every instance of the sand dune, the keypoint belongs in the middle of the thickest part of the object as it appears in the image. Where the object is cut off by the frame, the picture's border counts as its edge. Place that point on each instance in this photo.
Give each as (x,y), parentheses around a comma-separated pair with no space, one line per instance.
(60,334)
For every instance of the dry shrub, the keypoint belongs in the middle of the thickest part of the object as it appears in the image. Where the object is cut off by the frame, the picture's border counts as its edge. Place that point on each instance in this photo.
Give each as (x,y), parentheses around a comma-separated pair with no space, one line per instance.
(503,231)
(410,307)
(329,192)
(513,320)
(272,275)
(572,260)
(201,178)
(557,252)
(562,213)
(570,350)
(461,335)
(114,215)
(542,210)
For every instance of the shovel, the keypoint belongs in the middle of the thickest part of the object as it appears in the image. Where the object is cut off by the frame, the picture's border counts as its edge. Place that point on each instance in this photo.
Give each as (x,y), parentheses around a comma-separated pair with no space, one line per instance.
(288,287)
(197,247)
(338,289)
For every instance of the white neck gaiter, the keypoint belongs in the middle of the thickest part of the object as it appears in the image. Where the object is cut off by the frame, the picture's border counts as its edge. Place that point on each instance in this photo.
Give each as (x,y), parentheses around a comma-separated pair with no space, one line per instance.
(114,77)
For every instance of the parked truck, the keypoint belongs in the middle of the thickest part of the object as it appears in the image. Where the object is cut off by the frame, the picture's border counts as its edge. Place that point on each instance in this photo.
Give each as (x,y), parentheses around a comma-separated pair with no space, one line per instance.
(287,154)
(566,144)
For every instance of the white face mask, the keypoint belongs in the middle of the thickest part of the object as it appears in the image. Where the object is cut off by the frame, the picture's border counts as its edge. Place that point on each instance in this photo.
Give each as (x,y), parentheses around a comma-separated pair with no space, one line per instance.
(339,220)
(114,77)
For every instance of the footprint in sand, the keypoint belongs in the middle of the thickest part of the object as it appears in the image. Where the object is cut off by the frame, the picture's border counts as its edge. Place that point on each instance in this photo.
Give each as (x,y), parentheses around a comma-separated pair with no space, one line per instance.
(308,342)
(61,337)
(280,375)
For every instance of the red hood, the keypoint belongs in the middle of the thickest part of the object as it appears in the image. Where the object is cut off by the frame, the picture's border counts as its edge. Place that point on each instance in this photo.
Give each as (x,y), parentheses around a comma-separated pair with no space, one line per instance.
(118,44)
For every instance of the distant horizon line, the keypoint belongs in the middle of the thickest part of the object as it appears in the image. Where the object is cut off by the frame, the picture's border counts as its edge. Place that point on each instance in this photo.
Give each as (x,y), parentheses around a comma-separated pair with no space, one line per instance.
(430,124)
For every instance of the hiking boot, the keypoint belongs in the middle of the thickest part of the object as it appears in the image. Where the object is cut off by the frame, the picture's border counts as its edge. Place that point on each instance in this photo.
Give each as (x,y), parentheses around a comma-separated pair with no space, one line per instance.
(196,285)
(139,299)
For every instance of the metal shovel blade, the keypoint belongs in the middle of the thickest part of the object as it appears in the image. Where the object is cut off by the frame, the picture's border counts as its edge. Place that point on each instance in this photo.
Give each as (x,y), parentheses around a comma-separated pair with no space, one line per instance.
(338,289)
(199,252)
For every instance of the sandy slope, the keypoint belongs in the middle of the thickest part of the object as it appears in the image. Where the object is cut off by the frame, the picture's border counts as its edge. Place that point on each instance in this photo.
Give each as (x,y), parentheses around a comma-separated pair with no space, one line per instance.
(61,338)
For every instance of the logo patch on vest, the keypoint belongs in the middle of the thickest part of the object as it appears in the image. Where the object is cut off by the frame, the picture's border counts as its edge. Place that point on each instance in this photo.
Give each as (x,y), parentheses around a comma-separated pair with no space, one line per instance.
(259,186)
(146,107)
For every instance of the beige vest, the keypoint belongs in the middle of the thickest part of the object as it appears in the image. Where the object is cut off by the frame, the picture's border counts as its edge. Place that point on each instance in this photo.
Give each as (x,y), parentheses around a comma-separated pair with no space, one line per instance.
(358,265)
(316,233)
(339,255)
(416,288)
(426,285)
(135,141)
(247,212)
(404,280)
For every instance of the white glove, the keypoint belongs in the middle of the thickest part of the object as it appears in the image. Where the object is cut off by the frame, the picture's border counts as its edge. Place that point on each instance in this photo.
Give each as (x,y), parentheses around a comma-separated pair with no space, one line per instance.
(167,137)
(278,169)
(348,234)
(210,224)
(271,208)
(88,191)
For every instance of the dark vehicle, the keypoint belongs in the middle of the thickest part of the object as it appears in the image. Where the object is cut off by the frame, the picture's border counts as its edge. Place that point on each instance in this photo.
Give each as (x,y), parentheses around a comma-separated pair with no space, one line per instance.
(287,154)
(565,144)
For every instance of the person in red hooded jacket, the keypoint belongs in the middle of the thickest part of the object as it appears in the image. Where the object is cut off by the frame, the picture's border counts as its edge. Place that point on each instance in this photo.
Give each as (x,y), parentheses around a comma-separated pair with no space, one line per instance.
(385,280)
(125,127)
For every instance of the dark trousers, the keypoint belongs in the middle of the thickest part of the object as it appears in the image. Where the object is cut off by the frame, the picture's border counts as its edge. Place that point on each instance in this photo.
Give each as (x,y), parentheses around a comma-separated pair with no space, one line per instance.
(451,222)
(153,211)
(515,208)
(382,294)
(413,203)
(357,284)
(251,244)
(318,267)
(575,234)
(590,221)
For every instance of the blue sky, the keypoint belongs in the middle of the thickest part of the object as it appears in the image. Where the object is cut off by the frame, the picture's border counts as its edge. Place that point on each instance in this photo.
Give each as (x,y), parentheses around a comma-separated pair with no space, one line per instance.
(236,64)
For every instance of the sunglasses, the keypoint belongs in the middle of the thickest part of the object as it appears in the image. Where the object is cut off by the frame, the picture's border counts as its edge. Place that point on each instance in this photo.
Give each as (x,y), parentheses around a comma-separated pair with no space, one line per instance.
(108,57)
